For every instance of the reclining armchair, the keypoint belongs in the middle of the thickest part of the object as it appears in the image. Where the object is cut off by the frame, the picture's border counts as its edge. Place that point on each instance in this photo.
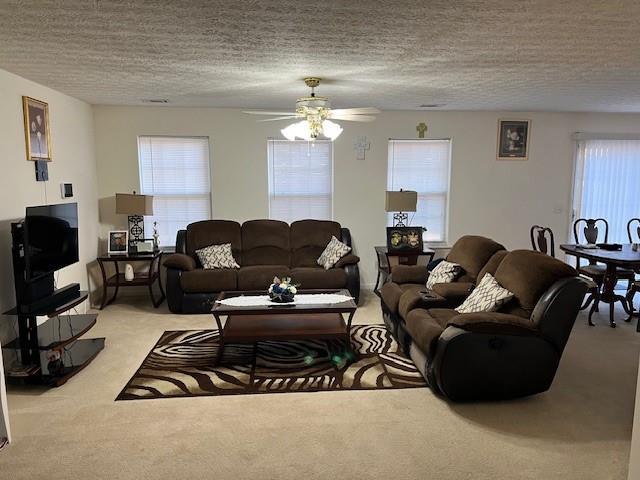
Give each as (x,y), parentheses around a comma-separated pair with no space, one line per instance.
(511,353)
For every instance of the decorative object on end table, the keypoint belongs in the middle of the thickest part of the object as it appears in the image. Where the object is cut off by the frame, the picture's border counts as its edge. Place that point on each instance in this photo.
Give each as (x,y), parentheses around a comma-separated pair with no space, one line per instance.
(36,129)
(156,237)
(135,206)
(404,239)
(282,291)
(513,139)
(128,272)
(146,246)
(118,241)
(400,203)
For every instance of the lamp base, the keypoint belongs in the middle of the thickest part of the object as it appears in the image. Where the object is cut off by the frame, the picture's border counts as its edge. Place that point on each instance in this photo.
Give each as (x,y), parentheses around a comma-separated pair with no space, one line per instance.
(136,231)
(400,219)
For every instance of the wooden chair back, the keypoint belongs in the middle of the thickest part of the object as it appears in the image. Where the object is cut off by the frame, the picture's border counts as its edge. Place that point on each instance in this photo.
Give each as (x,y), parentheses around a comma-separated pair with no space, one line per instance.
(542,240)
(591,231)
(633,230)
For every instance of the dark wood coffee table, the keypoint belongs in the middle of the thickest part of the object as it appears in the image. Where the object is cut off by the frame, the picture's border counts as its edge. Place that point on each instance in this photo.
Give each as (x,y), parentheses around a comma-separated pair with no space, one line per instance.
(283,321)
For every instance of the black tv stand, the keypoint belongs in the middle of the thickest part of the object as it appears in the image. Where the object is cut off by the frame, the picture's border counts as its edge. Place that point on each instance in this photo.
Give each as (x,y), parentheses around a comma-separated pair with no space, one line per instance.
(51,352)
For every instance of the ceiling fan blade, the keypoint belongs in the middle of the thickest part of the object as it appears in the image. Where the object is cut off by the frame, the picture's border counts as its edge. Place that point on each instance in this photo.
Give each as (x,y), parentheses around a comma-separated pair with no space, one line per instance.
(352,118)
(260,112)
(278,118)
(356,111)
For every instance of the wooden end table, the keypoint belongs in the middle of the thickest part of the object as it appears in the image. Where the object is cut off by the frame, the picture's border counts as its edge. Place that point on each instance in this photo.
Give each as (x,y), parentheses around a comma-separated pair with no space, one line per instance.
(404,258)
(282,322)
(140,279)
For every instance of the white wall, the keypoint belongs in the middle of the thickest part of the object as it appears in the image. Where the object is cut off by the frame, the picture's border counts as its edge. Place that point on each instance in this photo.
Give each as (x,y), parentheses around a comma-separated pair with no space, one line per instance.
(498,199)
(73,161)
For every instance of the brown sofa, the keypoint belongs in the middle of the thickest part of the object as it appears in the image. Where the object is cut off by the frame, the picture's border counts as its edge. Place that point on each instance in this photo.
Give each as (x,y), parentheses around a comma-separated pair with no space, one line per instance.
(263,249)
(510,353)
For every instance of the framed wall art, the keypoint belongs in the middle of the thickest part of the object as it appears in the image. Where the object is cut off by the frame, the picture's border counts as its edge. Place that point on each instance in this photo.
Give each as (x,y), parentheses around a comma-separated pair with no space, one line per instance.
(36,129)
(513,139)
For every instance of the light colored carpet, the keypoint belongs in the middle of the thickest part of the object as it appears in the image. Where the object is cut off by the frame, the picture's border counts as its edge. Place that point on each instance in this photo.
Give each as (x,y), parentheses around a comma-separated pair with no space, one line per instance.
(580,429)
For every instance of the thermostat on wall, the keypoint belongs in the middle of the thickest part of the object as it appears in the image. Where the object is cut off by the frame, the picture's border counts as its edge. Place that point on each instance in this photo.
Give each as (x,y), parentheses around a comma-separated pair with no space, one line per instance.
(66,189)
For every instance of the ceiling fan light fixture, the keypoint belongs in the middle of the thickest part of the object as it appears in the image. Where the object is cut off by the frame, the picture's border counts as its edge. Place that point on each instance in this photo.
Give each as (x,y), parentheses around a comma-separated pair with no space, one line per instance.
(298,130)
(331,129)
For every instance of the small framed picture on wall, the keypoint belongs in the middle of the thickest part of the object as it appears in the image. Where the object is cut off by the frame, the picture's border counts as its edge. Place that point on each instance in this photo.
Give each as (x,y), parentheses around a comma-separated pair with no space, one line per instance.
(513,139)
(118,242)
(36,129)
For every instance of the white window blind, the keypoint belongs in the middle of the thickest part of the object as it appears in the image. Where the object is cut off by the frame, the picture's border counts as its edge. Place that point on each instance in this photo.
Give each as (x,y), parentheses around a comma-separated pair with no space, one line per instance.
(300,180)
(423,166)
(607,177)
(175,170)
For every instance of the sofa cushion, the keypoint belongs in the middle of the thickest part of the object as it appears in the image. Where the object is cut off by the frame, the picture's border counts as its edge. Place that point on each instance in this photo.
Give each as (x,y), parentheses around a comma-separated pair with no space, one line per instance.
(426,326)
(444,272)
(528,275)
(259,277)
(455,292)
(217,256)
(265,242)
(318,277)
(488,296)
(208,281)
(390,294)
(309,238)
(472,252)
(333,252)
(214,232)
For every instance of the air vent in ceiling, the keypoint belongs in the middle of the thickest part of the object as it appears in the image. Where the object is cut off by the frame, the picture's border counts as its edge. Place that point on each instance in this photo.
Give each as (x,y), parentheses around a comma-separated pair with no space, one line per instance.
(155,100)
(432,105)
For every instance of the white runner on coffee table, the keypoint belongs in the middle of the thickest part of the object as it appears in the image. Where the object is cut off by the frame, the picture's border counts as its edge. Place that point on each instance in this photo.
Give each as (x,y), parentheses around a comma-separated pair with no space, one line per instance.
(301,299)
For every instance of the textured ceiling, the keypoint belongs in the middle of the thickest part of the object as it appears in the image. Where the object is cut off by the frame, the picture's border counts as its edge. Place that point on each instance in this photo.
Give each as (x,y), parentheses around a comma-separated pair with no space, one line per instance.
(571,55)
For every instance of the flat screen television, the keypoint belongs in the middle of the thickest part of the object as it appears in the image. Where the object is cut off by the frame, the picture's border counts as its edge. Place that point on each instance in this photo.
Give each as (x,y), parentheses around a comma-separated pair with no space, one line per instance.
(50,239)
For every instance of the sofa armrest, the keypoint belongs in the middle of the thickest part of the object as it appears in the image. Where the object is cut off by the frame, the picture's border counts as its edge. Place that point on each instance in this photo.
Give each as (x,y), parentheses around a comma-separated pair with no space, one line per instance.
(493,323)
(409,274)
(180,261)
(348,259)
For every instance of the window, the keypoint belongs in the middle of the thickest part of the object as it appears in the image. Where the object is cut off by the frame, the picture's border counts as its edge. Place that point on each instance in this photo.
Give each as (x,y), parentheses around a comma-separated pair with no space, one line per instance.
(300,180)
(423,166)
(607,176)
(175,170)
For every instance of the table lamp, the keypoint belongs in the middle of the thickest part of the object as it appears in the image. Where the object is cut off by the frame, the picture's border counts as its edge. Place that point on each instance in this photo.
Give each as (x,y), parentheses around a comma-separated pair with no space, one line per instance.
(400,203)
(135,206)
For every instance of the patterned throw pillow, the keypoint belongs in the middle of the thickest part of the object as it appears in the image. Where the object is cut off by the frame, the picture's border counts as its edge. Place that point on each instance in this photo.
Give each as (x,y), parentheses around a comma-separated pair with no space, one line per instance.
(217,256)
(334,251)
(488,296)
(445,272)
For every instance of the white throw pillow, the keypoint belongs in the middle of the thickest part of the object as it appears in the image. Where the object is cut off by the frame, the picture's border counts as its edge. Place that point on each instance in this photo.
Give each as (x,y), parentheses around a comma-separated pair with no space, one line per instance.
(217,256)
(333,252)
(444,272)
(488,296)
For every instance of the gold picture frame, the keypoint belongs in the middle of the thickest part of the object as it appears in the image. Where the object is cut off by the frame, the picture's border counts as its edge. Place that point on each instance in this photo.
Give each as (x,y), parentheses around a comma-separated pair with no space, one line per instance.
(513,139)
(37,132)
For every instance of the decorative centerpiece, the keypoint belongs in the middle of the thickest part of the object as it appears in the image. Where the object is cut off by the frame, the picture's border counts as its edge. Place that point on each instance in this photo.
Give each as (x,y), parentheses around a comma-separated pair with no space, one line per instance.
(282,291)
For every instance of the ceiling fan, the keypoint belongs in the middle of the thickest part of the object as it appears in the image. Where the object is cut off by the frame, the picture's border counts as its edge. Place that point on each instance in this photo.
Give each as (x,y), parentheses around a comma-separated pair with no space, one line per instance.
(316,112)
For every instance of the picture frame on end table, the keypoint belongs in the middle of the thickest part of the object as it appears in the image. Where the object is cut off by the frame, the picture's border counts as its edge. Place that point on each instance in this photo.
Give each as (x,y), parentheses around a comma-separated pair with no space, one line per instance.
(118,242)
(513,139)
(404,239)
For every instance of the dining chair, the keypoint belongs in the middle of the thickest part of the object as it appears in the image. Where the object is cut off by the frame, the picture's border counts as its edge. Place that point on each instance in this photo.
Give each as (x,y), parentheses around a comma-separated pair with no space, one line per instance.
(542,240)
(633,234)
(593,229)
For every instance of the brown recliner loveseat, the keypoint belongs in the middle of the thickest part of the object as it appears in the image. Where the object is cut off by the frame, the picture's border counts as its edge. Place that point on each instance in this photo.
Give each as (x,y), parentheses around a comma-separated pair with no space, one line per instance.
(510,353)
(263,249)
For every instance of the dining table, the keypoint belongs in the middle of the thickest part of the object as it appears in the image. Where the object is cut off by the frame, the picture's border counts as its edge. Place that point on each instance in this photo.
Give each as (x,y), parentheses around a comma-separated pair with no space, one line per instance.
(626,257)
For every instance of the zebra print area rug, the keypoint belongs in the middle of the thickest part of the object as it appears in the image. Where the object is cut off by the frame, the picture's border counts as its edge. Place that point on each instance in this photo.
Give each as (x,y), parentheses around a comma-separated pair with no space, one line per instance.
(180,365)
